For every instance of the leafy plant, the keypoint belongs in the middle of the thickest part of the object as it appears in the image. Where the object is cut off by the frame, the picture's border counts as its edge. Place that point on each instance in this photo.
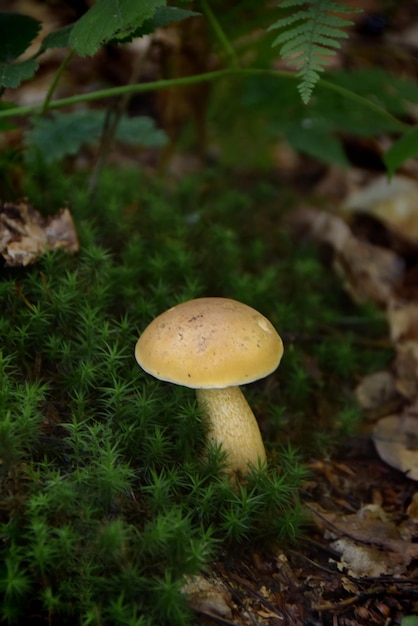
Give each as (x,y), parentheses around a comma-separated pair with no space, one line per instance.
(60,135)
(18,33)
(311,35)
(110,20)
(402,150)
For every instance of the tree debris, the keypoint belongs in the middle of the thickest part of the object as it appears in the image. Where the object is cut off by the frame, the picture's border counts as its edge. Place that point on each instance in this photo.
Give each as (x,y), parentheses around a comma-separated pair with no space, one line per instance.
(25,234)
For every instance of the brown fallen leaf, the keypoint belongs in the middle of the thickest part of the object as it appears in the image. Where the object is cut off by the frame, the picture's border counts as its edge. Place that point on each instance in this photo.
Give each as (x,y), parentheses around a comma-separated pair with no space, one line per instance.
(370,272)
(396,441)
(370,543)
(25,234)
(403,320)
(406,369)
(360,561)
(208,596)
(412,510)
(393,202)
(376,390)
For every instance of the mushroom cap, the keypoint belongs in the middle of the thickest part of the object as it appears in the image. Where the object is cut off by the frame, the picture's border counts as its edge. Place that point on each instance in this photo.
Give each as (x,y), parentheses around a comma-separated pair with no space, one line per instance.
(209,343)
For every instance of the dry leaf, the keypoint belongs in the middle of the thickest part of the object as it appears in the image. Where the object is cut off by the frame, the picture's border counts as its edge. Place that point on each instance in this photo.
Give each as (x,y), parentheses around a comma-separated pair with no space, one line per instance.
(25,234)
(396,441)
(208,596)
(369,542)
(376,390)
(323,227)
(359,560)
(406,369)
(403,320)
(393,202)
(376,273)
(412,509)
(370,273)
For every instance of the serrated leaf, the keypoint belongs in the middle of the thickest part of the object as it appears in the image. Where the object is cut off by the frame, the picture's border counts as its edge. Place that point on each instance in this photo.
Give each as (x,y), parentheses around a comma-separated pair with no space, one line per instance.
(17,32)
(294,45)
(140,131)
(338,22)
(63,134)
(110,19)
(405,148)
(297,31)
(319,52)
(58,39)
(332,33)
(12,74)
(289,20)
(310,35)
(325,41)
(162,17)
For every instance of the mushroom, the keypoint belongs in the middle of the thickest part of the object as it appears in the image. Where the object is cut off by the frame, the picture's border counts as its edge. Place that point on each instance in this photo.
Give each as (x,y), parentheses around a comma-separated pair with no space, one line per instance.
(214,345)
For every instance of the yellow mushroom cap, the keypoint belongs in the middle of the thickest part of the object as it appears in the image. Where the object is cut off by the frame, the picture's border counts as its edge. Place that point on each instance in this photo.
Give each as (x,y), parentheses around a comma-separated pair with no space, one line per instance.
(209,343)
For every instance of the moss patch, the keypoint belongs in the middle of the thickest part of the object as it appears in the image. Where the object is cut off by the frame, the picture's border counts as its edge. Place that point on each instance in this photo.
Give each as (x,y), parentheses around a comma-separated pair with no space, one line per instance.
(106,499)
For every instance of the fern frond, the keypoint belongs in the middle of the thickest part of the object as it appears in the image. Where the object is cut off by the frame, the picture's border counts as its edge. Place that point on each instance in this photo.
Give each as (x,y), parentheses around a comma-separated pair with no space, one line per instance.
(309,35)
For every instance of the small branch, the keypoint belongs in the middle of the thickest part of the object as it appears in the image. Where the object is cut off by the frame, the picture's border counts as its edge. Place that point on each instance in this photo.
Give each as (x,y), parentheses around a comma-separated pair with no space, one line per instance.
(113,117)
(55,82)
(200,78)
(101,94)
(351,95)
(220,34)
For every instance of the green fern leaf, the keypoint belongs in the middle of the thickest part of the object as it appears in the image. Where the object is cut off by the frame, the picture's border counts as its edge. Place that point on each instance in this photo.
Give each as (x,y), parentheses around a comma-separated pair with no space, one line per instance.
(64,134)
(309,36)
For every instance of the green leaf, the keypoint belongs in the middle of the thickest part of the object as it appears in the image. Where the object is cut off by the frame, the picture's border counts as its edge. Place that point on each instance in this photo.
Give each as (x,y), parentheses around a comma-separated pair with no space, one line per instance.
(109,19)
(162,17)
(63,134)
(140,131)
(308,36)
(317,142)
(12,74)
(58,39)
(405,148)
(390,91)
(410,620)
(16,34)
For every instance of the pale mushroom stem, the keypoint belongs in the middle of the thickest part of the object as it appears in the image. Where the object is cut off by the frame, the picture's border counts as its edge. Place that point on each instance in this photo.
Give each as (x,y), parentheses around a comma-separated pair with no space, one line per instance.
(232,424)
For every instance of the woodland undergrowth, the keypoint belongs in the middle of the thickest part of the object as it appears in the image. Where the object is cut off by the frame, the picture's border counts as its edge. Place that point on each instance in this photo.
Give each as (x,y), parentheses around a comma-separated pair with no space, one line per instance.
(107,500)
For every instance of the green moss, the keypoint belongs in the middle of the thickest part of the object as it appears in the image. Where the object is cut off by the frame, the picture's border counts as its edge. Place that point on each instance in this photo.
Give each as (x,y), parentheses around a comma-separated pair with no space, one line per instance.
(107,501)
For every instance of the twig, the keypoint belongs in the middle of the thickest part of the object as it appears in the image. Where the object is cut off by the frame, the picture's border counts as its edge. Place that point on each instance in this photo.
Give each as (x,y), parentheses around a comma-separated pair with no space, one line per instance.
(206,77)
(55,82)
(223,39)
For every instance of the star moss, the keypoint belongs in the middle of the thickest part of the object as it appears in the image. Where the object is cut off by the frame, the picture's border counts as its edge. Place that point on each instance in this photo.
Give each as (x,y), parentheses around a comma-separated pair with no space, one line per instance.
(107,501)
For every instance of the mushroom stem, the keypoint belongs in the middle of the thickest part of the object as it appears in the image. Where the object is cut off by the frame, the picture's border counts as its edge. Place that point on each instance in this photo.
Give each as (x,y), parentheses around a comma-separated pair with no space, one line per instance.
(233,425)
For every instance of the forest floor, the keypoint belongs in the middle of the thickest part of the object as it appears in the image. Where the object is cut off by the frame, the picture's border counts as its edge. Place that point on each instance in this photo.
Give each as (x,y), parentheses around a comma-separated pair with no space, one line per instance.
(357,560)
(353,566)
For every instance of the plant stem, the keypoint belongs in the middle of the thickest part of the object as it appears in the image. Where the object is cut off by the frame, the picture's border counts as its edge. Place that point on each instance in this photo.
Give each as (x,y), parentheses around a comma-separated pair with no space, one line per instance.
(220,34)
(200,78)
(113,117)
(119,91)
(55,82)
